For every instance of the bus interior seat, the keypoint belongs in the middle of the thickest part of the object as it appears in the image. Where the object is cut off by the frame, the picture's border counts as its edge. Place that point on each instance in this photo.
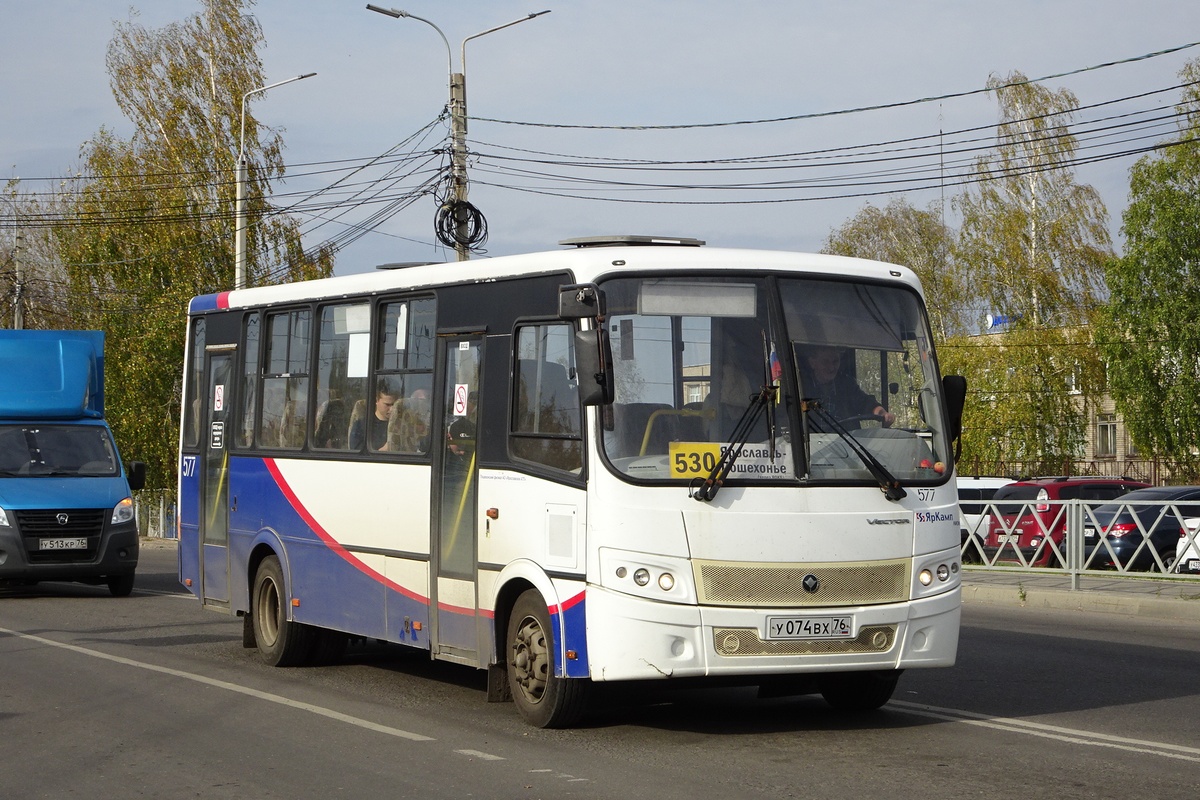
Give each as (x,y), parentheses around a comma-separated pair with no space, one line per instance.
(557,402)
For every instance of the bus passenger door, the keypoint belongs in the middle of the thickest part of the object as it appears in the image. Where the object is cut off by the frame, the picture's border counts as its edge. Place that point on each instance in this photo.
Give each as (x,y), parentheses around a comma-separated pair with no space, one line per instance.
(455,635)
(214,512)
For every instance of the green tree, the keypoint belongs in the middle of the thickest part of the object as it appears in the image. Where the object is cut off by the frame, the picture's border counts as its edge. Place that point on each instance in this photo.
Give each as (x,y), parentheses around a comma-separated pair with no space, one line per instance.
(1032,246)
(150,221)
(915,238)
(1147,331)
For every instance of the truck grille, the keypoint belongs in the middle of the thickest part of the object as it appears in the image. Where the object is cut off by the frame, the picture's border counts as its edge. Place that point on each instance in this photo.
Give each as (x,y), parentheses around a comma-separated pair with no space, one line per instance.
(80,523)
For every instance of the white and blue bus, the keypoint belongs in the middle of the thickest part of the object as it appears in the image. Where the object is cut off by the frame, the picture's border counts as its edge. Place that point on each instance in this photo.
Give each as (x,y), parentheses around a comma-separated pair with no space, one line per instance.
(614,462)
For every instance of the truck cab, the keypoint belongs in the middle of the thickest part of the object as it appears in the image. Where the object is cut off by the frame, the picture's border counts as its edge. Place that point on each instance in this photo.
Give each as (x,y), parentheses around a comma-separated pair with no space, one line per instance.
(66,508)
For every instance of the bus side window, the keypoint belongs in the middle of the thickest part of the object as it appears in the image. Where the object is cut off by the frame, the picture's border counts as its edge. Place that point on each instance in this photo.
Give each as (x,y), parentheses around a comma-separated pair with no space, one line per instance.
(546,425)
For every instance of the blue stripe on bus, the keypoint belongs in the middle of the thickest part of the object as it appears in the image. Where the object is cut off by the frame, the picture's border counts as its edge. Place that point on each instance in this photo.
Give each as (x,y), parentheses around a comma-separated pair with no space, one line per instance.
(208,302)
(334,587)
(571,629)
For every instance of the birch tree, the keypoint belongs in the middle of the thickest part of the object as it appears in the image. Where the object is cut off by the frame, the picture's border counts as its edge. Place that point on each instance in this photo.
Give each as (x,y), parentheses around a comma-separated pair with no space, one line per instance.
(150,221)
(916,238)
(1148,330)
(1032,245)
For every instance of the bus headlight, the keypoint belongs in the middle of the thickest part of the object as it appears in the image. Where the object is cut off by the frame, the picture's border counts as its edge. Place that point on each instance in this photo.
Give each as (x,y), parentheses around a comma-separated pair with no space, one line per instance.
(935,574)
(3,519)
(654,577)
(123,511)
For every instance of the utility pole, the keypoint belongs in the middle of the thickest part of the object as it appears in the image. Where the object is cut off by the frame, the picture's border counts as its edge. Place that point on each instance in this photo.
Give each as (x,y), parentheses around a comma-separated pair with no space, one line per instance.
(18,284)
(458,120)
(458,160)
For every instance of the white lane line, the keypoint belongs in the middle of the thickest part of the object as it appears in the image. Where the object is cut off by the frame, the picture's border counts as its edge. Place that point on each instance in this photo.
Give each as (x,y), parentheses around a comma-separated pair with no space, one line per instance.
(1071,735)
(480,755)
(231,687)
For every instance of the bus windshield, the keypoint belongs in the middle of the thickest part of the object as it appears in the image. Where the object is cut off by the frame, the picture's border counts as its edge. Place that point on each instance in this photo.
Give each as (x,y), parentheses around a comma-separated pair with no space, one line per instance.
(849,365)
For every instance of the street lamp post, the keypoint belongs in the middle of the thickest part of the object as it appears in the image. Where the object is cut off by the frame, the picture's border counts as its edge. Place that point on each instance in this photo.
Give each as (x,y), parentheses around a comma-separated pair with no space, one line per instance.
(239,210)
(458,117)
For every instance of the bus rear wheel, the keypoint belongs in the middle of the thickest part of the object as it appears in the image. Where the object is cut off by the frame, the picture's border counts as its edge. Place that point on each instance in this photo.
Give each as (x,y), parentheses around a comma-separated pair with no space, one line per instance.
(544,699)
(280,642)
(859,691)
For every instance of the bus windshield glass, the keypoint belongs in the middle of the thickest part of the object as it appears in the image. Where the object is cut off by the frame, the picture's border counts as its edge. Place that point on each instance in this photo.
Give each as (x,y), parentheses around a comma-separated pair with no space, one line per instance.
(848,365)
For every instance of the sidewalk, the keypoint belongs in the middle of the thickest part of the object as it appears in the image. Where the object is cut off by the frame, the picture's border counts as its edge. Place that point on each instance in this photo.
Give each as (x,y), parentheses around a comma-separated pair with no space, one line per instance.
(1160,598)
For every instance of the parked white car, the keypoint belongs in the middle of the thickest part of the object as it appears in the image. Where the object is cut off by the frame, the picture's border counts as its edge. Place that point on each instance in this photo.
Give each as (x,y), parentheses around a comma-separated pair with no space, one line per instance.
(1187,552)
(974,493)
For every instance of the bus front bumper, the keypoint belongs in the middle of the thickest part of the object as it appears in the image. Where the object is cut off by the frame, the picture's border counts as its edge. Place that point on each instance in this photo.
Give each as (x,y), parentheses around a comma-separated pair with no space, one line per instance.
(630,638)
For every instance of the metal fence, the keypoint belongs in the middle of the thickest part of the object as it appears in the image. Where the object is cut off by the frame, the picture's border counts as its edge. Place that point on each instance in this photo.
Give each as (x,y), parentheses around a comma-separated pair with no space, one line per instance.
(1077,537)
(155,511)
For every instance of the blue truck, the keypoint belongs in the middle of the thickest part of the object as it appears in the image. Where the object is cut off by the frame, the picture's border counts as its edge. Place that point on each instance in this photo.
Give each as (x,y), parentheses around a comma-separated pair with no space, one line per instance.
(66,509)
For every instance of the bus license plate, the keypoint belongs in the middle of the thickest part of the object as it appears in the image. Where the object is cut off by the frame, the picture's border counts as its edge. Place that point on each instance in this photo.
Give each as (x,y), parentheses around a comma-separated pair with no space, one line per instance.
(63,544)
(810,627)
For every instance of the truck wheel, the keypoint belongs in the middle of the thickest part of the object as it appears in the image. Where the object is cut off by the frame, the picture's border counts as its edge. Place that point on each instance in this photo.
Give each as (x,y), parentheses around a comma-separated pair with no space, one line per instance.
(281,643)
(858,691)
(544,700)
(120,585)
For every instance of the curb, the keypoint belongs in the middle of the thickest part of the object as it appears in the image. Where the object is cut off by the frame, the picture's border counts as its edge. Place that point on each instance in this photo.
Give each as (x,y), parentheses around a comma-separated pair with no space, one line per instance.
(1125,604)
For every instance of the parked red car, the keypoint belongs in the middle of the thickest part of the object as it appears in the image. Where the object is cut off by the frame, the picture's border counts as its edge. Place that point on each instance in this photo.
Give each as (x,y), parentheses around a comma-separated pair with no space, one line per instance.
(1025,516)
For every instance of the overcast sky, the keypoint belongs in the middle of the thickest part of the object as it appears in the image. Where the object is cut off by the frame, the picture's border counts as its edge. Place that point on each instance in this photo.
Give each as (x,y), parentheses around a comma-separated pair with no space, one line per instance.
(614,63)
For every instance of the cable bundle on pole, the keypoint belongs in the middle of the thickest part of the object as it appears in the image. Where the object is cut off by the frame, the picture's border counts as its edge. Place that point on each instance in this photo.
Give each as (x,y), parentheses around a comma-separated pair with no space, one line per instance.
(458,223)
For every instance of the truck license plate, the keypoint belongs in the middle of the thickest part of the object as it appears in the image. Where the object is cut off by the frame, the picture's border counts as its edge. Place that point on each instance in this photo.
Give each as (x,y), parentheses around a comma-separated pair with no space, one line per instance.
(63,544)
(810,627)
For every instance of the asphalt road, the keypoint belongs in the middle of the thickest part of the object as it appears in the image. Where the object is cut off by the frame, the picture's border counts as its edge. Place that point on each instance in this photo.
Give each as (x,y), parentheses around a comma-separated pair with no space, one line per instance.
(151,696)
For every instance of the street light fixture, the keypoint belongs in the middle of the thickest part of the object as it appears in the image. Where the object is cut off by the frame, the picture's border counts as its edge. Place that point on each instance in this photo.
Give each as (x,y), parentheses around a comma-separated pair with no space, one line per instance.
(458,117)
(239,212)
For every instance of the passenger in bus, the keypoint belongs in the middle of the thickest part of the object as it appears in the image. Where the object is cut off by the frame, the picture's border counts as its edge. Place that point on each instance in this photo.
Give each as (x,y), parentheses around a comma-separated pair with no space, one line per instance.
(408,426)
(461,433)
(373,427)
(331,425)
(827,378)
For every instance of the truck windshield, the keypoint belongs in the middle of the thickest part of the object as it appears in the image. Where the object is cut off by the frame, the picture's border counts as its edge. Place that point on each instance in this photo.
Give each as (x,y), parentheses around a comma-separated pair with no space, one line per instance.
(849,364)
(40,450)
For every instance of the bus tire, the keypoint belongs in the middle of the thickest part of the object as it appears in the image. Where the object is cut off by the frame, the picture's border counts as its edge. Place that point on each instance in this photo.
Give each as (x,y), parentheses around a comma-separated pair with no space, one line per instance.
(859,691)
(120,585)
(544,700)
(280,642)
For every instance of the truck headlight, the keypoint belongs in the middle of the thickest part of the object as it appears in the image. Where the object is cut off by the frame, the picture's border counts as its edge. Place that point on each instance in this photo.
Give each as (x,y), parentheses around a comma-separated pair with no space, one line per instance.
(123,511)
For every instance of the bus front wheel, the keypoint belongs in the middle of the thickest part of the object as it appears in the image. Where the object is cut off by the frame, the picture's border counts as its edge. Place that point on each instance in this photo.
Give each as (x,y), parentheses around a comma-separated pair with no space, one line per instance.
(859,691)
(544,699)
(280,642)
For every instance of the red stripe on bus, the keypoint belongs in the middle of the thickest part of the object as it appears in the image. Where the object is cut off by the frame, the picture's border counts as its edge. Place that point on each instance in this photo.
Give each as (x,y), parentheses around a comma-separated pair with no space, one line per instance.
(333,544)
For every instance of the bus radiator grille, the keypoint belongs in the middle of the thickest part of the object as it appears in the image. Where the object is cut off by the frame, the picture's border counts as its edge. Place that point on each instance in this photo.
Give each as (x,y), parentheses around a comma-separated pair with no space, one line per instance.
(746,642)
(723,583)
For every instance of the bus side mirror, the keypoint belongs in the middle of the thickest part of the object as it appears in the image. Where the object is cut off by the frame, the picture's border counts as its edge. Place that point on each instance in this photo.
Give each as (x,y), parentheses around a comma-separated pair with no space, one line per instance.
(581,301)
(955,388)
(593,366)
(135,474)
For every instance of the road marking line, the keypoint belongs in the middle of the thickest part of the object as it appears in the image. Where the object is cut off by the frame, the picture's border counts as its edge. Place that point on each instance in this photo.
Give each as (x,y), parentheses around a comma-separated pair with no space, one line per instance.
(1071,735)
(480,755)
(231,687)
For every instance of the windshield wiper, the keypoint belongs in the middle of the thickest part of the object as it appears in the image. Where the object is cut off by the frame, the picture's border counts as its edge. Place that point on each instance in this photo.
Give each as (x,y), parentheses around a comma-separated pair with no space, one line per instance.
(888,483)
(706,488)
